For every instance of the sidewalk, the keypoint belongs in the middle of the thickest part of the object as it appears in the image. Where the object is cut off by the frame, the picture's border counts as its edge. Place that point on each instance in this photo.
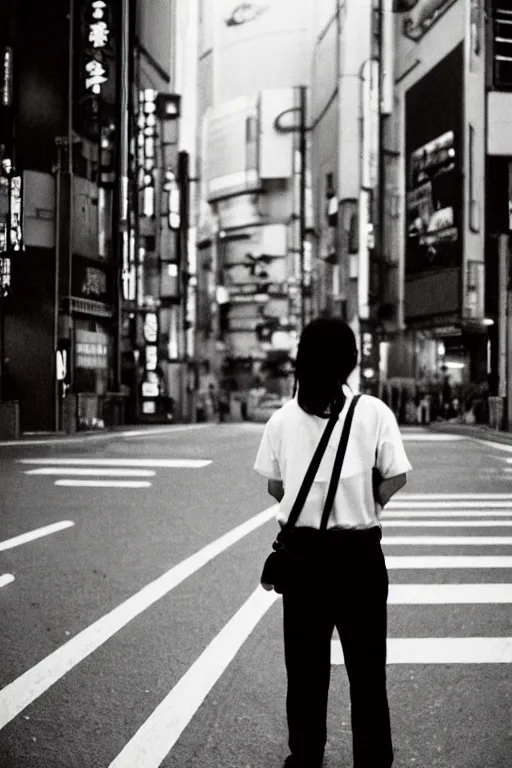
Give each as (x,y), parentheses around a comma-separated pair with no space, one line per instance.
(129,430)
(479,431)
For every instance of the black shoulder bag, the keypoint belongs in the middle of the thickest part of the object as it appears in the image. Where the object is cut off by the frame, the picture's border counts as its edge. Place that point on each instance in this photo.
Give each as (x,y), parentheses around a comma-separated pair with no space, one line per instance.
(279,565)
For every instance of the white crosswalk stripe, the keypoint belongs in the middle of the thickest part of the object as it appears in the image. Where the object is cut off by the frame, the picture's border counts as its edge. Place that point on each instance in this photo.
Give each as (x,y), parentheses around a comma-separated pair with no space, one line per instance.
(103,468)
(464,511)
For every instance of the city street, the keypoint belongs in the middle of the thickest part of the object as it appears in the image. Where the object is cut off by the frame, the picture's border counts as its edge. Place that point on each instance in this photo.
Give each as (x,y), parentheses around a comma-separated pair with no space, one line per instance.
(134,632)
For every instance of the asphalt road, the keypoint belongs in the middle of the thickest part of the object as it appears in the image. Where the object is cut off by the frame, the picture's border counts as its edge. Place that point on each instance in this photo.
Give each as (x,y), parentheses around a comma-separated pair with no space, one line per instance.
(134,633)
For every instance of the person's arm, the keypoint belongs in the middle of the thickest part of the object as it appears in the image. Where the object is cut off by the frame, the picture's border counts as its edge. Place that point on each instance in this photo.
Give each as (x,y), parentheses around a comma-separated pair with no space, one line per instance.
(391,462)
(276,489)
(387,488)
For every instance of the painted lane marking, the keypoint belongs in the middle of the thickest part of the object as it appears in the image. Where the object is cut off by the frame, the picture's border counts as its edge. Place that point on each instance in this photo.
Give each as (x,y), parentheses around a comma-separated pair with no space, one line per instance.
(163,431)
(157,736)
(449,594)
(452,496)
(486,541)
(154,463)
(38,533)
(103,483)
(98,472)
(447,523)
(19,694)
(417,437)
(402,513)
(491,444)
(449,505)
(5,579)
(442,650)
(435,562)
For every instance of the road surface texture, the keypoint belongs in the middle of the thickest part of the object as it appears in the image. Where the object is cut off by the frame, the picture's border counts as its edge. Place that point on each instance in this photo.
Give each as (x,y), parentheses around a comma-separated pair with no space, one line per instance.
(135,635)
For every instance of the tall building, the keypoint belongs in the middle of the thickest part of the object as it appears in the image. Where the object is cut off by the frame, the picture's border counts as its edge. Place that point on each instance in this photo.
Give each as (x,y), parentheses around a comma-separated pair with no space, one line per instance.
(452,108)
(253,260)
(93,218)
(351,86)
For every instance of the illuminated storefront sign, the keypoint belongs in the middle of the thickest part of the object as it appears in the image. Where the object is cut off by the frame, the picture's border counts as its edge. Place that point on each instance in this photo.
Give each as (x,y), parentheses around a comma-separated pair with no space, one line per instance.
(150,387)
(90,281)
(146,149)
(11,234)
(91,349)
(7,77)
(98,41)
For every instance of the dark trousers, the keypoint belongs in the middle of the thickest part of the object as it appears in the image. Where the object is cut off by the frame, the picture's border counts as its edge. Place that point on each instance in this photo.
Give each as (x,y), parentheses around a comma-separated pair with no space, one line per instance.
(346,588)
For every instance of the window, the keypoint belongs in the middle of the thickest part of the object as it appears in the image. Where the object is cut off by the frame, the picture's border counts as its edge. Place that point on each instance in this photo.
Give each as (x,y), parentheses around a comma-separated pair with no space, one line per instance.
(502,38)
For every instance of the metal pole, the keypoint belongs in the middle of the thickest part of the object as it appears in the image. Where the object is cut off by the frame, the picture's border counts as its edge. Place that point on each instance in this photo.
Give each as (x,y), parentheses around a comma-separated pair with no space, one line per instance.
(509,335)
(502,313)
(302,203)
(119,218)
(71,360)
(58,246)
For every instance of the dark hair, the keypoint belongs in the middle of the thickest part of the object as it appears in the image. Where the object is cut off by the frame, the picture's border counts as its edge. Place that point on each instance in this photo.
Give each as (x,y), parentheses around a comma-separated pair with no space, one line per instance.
(326,356)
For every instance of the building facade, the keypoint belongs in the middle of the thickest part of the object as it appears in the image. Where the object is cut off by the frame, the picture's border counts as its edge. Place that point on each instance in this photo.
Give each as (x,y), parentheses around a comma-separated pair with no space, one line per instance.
(254,212)
(452,96)
(93,215)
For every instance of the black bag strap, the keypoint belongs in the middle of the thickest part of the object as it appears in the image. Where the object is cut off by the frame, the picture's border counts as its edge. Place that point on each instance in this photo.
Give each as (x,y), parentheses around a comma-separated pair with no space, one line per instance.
(338,463)
(310,474)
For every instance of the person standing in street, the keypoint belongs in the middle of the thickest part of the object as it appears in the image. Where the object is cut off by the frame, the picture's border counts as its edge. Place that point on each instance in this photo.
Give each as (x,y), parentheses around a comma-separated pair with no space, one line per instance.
(347,585)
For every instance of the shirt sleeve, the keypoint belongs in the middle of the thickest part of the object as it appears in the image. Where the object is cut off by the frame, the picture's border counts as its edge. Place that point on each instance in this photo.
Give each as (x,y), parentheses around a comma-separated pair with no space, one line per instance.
(391,458)
(266,463)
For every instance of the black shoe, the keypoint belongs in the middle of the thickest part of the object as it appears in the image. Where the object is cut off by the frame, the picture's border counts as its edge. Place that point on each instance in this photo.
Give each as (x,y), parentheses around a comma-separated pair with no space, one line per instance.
(295,762)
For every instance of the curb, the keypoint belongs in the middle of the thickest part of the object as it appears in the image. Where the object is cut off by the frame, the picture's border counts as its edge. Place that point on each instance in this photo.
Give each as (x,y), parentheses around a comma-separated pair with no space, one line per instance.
(62,438)
(481,433)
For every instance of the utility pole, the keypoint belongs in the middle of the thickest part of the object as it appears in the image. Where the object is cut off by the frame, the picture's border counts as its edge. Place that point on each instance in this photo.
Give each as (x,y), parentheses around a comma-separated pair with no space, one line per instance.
(302,130)
(120,192)
(302,202)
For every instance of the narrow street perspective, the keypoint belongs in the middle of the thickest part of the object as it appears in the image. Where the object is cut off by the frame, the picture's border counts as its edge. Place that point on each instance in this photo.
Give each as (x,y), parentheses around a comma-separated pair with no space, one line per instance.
(256,383)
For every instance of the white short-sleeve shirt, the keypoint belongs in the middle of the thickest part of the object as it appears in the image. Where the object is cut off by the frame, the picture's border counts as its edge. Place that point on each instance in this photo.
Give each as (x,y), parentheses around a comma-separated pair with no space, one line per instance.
(289,441)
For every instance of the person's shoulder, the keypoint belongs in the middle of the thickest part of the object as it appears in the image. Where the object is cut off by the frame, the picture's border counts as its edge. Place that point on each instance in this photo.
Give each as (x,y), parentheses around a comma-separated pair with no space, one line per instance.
(284,415)
(375,405)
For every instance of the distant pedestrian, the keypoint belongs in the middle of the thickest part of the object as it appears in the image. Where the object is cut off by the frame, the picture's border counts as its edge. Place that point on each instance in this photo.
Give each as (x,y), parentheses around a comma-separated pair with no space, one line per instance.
(337,578)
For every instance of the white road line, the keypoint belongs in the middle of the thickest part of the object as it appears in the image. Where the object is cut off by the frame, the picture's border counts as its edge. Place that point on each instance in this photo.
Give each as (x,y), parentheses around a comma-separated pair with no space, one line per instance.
(38,533)
(442,650)
(449,504)
(402,513)
(447,523)
(435,562)
(152,463)
(5,579)
(97,472)
(104,483)
(444,541)
(491,444)
(417,437)
(19,694)
(449,594)
(163,431)
(452,496)
(154,740)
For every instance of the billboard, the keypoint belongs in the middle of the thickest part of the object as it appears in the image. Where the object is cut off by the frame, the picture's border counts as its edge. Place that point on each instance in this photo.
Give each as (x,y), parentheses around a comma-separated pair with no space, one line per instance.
(434,163)
(231,155)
